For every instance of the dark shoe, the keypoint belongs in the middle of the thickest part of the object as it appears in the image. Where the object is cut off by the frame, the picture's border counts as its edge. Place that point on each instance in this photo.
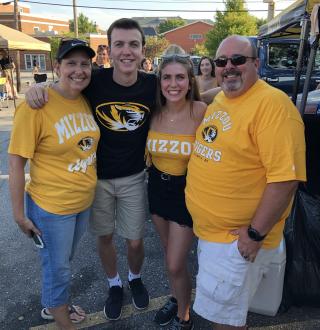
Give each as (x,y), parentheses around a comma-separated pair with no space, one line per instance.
(178,324)
(167,312)
(140,296)
(113,307)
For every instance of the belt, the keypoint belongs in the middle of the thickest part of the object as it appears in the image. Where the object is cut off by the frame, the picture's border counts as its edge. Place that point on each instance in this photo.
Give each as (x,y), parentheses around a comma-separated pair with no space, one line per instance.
(165,176)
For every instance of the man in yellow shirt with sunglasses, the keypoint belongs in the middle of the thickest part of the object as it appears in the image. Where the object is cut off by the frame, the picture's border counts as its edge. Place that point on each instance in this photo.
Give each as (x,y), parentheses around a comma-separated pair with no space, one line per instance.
(248,158)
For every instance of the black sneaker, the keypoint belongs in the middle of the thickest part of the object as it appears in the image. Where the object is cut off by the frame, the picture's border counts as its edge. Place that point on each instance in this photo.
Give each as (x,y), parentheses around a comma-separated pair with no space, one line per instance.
(113,307)
(178,324)
(140,296)
(167,312)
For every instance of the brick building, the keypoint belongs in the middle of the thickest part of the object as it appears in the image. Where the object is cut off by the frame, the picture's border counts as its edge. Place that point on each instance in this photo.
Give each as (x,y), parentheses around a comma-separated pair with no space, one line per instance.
(189,35)
(37,26)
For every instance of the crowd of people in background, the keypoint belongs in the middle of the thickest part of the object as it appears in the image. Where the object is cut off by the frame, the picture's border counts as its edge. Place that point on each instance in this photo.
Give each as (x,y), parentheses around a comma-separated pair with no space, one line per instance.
(225,173)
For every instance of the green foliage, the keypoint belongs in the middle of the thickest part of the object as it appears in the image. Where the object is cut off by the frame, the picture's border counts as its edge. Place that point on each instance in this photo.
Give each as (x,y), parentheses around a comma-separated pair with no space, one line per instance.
(155,46)
(235,21)
(84,25)
(261,21)
(200,50)
(171,24)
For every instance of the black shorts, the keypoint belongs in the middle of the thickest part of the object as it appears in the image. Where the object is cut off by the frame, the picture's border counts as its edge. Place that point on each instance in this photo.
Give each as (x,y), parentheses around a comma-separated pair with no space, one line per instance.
(166,197)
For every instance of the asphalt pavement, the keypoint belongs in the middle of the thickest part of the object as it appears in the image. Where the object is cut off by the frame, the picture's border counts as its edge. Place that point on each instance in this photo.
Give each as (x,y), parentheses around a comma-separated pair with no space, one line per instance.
(20,275)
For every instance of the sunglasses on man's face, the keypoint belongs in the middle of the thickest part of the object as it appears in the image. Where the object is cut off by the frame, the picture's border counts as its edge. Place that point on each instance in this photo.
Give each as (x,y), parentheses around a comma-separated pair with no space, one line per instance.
(222,61)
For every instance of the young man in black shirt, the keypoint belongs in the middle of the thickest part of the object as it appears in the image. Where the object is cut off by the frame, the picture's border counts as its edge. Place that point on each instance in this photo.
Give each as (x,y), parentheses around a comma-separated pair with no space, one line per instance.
(122,99)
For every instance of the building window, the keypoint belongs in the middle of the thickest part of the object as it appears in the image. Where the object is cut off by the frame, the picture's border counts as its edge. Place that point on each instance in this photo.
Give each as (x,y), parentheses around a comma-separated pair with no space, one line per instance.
(31,59)
(195,36)
(36,29)
(50,28)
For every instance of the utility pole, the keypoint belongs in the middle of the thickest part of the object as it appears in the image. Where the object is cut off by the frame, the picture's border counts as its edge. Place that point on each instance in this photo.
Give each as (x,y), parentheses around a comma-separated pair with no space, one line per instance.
(16,26)
(270,9)
(75,18)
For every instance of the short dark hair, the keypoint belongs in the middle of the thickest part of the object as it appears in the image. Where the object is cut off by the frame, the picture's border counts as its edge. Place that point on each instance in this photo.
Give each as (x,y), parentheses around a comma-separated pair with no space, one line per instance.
(125,24)
(212,65)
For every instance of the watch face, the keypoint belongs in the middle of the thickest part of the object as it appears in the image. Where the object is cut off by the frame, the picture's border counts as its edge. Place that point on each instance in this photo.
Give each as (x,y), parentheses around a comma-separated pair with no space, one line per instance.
(254,234)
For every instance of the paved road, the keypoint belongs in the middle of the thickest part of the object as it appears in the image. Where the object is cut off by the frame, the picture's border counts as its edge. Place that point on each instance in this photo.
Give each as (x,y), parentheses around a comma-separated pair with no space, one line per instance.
(20,276)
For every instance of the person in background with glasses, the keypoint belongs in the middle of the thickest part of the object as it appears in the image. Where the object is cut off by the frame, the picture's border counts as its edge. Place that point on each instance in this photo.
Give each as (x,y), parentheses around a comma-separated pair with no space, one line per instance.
(102,58)
(206,78)
(248,159)
(61,142)
(169,144)
(122,99)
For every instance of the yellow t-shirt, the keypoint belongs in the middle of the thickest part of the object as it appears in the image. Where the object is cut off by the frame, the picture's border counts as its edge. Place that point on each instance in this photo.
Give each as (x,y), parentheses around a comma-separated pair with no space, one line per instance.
(241,145)
(61,142)
(170,153)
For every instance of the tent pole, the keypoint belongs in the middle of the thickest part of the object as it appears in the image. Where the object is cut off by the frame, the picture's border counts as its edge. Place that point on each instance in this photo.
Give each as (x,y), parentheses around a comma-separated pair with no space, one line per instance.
(51,66)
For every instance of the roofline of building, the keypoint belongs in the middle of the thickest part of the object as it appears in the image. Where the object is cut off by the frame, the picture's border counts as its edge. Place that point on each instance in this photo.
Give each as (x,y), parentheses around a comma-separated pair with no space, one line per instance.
(183,26)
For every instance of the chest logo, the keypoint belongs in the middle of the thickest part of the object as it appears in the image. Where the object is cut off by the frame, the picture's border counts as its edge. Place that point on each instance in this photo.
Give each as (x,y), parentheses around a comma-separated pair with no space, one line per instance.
(209,133)
(122,116)
(86,143)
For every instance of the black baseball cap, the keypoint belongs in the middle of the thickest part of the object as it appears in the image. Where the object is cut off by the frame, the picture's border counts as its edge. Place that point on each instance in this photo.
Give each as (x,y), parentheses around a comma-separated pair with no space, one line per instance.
(67,45)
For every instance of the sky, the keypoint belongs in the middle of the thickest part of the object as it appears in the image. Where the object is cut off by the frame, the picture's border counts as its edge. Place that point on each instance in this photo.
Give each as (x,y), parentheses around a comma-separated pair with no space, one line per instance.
(109,11)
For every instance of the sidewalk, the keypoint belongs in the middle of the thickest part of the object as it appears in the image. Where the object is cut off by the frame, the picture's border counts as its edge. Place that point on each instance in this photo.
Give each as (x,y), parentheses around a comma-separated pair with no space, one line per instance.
(6,114)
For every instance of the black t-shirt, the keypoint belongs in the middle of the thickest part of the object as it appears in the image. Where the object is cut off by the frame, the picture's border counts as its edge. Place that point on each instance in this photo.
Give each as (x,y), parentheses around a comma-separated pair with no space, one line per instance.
(123,115)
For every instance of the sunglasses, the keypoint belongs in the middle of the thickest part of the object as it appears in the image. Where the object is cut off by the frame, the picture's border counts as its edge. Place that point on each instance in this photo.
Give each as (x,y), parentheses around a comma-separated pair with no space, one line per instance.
(221,62)
(175,56)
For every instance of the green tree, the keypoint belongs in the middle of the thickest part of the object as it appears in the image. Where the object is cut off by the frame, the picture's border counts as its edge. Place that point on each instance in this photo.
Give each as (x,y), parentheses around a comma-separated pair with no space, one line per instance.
(200,50)
(84,24)
(236,20)
(261,21)
(170,24)
(155,46)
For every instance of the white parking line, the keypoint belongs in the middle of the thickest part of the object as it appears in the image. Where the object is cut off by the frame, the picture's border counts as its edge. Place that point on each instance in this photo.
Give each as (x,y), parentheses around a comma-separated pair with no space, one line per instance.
(99,318)
(6,176)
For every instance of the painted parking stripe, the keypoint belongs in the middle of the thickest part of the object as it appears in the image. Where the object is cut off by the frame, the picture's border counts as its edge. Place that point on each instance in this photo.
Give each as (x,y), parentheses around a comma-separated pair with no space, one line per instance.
(6,176)
(99,318)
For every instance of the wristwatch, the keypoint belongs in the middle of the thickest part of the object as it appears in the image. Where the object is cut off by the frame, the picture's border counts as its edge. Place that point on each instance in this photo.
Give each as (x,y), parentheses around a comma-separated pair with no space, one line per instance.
(255,235)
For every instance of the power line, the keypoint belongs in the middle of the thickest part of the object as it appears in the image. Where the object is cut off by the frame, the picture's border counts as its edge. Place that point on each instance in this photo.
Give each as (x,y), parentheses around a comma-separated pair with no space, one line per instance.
(144,9)
(192,2)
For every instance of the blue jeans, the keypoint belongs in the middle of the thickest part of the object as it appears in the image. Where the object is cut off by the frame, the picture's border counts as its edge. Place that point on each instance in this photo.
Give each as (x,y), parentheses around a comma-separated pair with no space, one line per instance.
(60,234)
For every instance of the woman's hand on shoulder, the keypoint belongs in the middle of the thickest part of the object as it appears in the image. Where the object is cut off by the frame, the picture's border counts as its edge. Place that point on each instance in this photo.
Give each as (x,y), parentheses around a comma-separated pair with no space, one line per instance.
(209,95)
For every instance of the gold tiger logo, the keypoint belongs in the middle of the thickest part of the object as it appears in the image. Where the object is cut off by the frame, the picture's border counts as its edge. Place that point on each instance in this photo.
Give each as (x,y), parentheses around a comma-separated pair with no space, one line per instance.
(85,143)
(122,116)
(209,133)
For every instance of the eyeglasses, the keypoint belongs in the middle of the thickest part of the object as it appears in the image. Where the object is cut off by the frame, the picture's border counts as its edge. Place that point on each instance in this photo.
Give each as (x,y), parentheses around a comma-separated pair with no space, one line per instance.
(102,46)
(236,59)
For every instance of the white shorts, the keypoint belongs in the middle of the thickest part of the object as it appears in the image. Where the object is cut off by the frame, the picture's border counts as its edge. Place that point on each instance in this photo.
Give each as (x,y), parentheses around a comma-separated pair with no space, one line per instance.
(226,282)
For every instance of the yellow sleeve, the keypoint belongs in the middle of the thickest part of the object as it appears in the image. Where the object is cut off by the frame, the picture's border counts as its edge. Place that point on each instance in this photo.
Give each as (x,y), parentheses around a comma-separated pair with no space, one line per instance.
(26,130)
(281,144)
